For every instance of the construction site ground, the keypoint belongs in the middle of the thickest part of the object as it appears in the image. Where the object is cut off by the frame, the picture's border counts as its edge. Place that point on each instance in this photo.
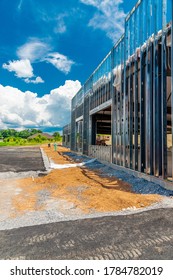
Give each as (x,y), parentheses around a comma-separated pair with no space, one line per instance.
(82,211)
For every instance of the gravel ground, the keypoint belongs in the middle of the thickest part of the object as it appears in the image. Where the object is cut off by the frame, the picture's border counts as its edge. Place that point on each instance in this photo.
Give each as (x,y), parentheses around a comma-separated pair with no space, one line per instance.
(65,211)
(60,210)
(139,185)
(62,231)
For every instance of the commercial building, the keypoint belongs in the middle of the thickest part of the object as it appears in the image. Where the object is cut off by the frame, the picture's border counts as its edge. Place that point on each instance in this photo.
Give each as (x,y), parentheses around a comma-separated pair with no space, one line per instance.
(66,135)
(129,97)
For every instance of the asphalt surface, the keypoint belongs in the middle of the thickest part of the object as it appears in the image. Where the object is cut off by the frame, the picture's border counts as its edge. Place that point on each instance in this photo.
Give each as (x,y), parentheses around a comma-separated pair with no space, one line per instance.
(147,235)
(20,159)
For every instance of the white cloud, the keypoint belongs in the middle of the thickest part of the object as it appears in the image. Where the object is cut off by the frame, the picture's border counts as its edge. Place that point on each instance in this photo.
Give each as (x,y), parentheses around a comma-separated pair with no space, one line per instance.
(61,27)
(25,109)
(22,68)
(61,62)
(37,80)
(109,17)
(37,51)
(34,50)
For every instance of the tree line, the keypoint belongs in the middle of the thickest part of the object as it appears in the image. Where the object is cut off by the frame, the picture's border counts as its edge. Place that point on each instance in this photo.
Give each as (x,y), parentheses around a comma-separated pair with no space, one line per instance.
(13,137)
(5,133)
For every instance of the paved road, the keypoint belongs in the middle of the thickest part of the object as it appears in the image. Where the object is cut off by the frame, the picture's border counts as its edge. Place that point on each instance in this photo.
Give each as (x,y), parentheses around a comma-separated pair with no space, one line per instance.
(18,159)
(146,235)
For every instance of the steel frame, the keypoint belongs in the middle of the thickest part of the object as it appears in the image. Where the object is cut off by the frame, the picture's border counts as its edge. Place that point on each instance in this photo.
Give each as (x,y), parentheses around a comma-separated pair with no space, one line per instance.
(139,105)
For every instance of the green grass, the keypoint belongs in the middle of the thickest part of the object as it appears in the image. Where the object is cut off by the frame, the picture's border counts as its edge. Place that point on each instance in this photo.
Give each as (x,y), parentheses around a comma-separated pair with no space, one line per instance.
(4,144)
(26,143)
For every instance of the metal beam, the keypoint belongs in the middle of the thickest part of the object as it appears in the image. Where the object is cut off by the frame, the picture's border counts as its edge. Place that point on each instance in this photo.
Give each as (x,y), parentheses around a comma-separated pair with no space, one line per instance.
(164,108)
(135,93)
(148,110)
(131,116)
(142,118)
(157,139)
(172,83)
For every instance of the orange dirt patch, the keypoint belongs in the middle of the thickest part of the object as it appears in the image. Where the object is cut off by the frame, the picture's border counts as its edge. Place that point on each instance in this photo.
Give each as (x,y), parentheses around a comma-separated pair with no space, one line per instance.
(86,189)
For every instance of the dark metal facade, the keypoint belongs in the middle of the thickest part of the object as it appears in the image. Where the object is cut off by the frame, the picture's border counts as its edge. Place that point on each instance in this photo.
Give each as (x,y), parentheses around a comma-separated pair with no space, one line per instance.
(66,141)
(130,94)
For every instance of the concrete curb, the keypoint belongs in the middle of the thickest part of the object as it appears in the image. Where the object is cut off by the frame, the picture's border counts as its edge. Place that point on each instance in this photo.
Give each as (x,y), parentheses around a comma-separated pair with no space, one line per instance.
(45,160)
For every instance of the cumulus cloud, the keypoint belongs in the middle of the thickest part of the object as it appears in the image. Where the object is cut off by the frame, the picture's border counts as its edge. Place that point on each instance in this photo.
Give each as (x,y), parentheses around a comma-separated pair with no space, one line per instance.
(61,62)
(37,51)
(109,17)
(22,68)
(37,80)
(26,109)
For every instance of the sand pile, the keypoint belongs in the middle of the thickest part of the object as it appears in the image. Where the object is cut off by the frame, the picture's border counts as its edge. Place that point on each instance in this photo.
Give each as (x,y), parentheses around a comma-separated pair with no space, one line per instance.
(87,190)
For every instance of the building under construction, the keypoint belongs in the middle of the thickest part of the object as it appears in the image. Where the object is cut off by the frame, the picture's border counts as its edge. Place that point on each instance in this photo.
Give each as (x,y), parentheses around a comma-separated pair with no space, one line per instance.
(123,113)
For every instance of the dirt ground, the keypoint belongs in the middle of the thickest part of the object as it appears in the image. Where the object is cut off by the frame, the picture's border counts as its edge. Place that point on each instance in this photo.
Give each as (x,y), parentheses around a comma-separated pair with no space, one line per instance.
(86,189)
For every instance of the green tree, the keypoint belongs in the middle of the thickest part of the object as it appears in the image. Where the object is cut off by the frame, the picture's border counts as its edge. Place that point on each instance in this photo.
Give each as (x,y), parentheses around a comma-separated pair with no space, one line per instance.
(39,139)
(34,131)
(9,133)
(24,133)
(57,136)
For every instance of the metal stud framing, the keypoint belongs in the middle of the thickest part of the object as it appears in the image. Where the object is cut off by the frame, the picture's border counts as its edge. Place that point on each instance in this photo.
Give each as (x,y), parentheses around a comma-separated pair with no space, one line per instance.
(139,103)
(172,83)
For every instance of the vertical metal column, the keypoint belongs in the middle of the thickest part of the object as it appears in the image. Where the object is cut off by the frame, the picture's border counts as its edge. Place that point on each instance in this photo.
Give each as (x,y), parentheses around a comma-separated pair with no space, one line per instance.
(73,130)
(131,116)
(121,110)
(164,93)
(113,115)
(122,103)
(125,98)
(124,117)
(154,90)
(148,111)
(135,89)
(117,120)
(172,84)
(86,124)
(155,169)
(151,108)
(89,117)
(115,93)
(126,120)
(164,108)
(118,123)
(157,144)
(142,117)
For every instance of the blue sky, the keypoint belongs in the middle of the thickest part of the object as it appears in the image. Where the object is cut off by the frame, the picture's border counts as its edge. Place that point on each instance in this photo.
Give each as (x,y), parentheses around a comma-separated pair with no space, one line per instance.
(48,49)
